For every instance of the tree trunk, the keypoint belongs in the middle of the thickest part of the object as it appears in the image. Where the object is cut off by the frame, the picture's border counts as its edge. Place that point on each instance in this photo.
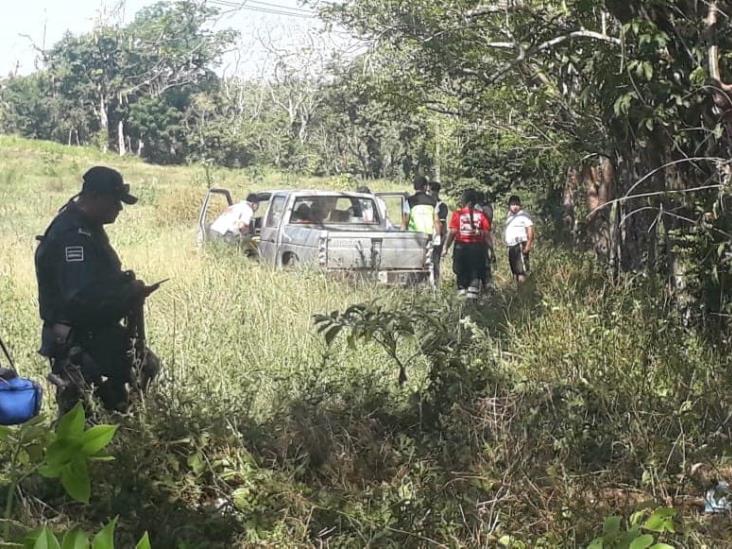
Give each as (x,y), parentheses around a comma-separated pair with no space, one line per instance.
(569,220)
(438,155)
(599,180)
(103,122)
(121,138)
(640,174)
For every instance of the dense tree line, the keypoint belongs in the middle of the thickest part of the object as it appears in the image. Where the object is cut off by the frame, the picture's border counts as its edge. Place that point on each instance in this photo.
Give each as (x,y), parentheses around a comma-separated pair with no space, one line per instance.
(151,89)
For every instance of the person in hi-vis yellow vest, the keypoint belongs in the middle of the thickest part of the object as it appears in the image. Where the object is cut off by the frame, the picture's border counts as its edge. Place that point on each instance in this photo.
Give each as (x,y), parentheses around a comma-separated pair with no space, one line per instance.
(422,216)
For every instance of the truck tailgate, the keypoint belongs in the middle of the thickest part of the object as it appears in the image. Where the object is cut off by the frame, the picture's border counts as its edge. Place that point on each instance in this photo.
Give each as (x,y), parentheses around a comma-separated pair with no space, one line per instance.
(380,250)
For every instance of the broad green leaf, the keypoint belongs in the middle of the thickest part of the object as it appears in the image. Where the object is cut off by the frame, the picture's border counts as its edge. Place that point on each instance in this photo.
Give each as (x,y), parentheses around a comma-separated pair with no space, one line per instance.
(642,542)
(662,520)
(596,544)
(72,422)
(75,480)
(637,517)
(105,538)
(62,451)
(50,471)
(144,542)
(648,70)
(94,440)
(662,546)
(46,540)
(4,432)
(75,539)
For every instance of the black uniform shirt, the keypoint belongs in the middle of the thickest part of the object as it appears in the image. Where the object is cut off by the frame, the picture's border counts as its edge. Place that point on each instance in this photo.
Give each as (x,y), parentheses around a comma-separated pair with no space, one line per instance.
(421,198)
(80,277)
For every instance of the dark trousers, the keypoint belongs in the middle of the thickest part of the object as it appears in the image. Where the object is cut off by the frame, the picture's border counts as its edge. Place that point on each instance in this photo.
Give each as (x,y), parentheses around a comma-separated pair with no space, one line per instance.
(469,265)
(105,360)
(518,260)
(436,258)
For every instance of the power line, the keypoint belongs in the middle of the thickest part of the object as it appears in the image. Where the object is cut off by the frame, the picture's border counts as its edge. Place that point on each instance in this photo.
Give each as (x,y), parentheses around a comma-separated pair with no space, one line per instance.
(263,5)
(262,9)
(280,6)
(268,11)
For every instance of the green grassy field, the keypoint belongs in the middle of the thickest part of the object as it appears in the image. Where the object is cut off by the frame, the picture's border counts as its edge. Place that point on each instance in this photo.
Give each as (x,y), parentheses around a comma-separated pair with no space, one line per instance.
(524,421)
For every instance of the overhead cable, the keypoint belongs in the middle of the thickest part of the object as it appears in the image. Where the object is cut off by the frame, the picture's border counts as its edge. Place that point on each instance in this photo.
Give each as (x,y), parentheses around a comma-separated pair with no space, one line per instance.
(261,9)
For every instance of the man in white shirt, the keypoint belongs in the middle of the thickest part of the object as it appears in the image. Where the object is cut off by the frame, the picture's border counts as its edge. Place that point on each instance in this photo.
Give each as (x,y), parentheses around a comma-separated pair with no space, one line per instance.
(236,220)
(519,237)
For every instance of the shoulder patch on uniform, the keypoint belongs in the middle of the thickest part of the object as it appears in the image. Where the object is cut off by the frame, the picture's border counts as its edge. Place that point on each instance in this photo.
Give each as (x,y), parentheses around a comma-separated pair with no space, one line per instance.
(84,232)
(74,254)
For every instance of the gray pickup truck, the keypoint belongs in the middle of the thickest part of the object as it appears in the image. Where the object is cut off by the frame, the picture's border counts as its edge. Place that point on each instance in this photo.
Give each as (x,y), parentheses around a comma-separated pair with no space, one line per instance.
(342,232)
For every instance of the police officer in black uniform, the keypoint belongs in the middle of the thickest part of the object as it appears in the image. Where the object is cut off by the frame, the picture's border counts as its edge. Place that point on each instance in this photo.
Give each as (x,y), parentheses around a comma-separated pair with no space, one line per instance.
(87,302)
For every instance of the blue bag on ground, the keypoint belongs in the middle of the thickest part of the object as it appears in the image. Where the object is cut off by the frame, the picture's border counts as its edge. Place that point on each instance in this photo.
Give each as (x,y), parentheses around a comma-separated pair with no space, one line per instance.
(20,400)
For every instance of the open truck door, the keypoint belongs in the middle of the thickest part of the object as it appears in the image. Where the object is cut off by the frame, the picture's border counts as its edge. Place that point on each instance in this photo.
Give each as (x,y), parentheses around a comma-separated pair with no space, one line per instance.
(216,200)
(395,203)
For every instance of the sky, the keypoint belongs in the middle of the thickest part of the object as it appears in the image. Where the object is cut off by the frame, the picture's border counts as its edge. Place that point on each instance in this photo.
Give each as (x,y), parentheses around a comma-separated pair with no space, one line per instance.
(29,22)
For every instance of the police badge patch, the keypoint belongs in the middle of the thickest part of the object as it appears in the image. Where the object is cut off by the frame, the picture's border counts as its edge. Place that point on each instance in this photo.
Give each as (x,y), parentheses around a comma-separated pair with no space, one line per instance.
(74,254)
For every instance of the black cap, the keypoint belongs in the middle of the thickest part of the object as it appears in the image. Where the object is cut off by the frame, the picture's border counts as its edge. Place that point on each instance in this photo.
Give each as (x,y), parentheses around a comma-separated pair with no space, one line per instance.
(103,180)
(420,183)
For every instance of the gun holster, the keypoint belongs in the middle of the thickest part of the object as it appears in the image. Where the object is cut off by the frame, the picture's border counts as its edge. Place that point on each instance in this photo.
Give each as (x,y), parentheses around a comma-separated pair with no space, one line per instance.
(69,360)
(55,340)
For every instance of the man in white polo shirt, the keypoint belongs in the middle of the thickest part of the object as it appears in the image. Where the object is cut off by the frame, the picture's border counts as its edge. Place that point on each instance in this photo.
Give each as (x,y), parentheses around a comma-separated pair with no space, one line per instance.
(235,221)
(519,237)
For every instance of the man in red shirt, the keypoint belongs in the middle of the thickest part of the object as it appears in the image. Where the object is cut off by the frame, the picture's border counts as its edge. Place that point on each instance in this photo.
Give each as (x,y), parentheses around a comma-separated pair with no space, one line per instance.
(470,229)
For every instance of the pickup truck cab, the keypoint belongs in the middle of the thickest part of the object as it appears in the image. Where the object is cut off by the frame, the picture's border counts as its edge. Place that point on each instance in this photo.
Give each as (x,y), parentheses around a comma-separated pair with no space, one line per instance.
(342,232)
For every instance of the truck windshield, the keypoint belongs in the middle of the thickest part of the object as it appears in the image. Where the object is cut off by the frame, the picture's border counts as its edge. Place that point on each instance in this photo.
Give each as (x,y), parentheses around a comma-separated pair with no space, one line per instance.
(342,210)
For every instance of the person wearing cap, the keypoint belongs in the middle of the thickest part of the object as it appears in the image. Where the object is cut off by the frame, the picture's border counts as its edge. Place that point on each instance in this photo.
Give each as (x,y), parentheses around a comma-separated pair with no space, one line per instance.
(420,214)
(519,236)
(83,295)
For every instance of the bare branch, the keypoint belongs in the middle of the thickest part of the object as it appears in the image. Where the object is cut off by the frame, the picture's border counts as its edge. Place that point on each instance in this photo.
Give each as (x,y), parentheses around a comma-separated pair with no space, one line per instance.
(576,34)
(524,54)
(501,6)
